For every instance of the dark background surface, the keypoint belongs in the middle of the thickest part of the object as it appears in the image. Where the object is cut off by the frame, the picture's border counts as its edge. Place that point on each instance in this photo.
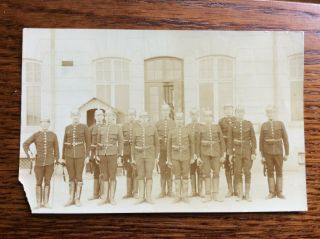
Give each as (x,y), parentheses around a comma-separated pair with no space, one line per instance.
(16,220)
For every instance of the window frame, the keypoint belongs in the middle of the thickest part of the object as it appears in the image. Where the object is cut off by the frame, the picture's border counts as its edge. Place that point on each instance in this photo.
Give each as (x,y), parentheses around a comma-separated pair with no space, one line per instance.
(216,82)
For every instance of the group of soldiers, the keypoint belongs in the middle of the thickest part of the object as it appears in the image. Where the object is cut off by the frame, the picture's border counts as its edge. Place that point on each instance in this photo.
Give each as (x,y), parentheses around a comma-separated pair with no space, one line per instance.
(181,154)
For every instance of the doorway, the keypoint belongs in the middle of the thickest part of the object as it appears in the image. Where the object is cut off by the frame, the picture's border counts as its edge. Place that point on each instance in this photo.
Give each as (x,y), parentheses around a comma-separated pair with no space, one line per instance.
(163,84)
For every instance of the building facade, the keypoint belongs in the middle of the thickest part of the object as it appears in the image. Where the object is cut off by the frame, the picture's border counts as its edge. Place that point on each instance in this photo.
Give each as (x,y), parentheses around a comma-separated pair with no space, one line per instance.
(63,69)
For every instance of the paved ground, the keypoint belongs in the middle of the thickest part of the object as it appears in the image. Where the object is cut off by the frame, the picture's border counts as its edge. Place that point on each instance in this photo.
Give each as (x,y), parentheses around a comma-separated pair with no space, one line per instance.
(294,190)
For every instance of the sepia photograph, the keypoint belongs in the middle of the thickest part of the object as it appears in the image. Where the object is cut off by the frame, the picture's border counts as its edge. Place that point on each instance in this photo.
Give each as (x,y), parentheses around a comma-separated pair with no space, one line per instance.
(157,121)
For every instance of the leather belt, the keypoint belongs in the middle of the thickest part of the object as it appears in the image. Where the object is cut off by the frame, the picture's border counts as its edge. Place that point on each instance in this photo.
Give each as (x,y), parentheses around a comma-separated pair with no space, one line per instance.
(105,145)
(74,143)
(142,148)
(209,142)
(273,140)
(177,147)
(241,141)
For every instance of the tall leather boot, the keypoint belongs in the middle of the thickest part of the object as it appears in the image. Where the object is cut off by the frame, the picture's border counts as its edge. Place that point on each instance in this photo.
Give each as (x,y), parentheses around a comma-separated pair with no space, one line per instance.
(184,194)
(113,185)
(72,186)
(95,189)
(279,188)
(177,183)
(38,196)
(78,194)
(129,188)
(200,187)
(229,182)
(105,195)
(247,188)
(215,185)
(101,186)
(169,185)
(141,186)
(240,190)
(46,196)
(193,186)
(135,188)
(272,188)
(235,190)
(162,186)
(148,191)
(207,185)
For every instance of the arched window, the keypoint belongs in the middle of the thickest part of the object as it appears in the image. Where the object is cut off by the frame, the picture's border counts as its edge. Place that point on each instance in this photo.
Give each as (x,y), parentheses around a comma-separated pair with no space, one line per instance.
(112,82)
(163,84)
(216,83)
(32,83)
(296,63)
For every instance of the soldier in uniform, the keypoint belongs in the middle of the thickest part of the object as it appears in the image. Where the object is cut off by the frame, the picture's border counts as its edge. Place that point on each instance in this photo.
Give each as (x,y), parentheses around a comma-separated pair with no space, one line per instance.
(195,169)
(47,148)
(212,151)
(225,123)
(180,152)
(242,149)
(145,146)
(273,137)
(163,127)
(75,153)
(109,153)
(93,130)
(131,169)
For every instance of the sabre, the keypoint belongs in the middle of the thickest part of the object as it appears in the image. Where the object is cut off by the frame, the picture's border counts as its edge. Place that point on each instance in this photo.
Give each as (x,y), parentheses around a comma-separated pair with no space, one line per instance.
(31,162)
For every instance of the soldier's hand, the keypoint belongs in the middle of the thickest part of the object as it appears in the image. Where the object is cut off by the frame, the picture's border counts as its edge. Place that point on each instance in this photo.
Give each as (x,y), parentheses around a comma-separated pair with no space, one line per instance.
(119,161)
(285,158)
(62,161)
(87,159)
(263,160)
(133,162)
(199,162)
(253,157)
(222,159)
(169,163)
(97,159)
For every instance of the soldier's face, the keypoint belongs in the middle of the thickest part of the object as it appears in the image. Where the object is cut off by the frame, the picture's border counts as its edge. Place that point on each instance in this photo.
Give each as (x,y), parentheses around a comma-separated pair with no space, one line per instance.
(228,111)
(165,114)
(99,118)
(270,114)
(131,116)
(240,114)
(75,118)
(179,121)
(109,118)
(194,117)
(208,119)
(44,125)
(144,119)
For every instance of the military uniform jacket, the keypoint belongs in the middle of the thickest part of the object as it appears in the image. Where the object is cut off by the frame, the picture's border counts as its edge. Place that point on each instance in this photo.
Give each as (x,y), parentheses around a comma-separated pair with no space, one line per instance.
(242,139)
(163,127)
(273,137)
(127,130)
(210,141)
(194,129)
(110,140)
(93,130)
(76,141)
(180,144)
(46,145)
(145,142)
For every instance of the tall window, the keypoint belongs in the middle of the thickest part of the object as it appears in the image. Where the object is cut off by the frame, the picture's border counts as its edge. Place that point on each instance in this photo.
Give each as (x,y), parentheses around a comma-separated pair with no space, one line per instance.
(163,84)
(216,77)
(296,63)
(33,90)
(112,82)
